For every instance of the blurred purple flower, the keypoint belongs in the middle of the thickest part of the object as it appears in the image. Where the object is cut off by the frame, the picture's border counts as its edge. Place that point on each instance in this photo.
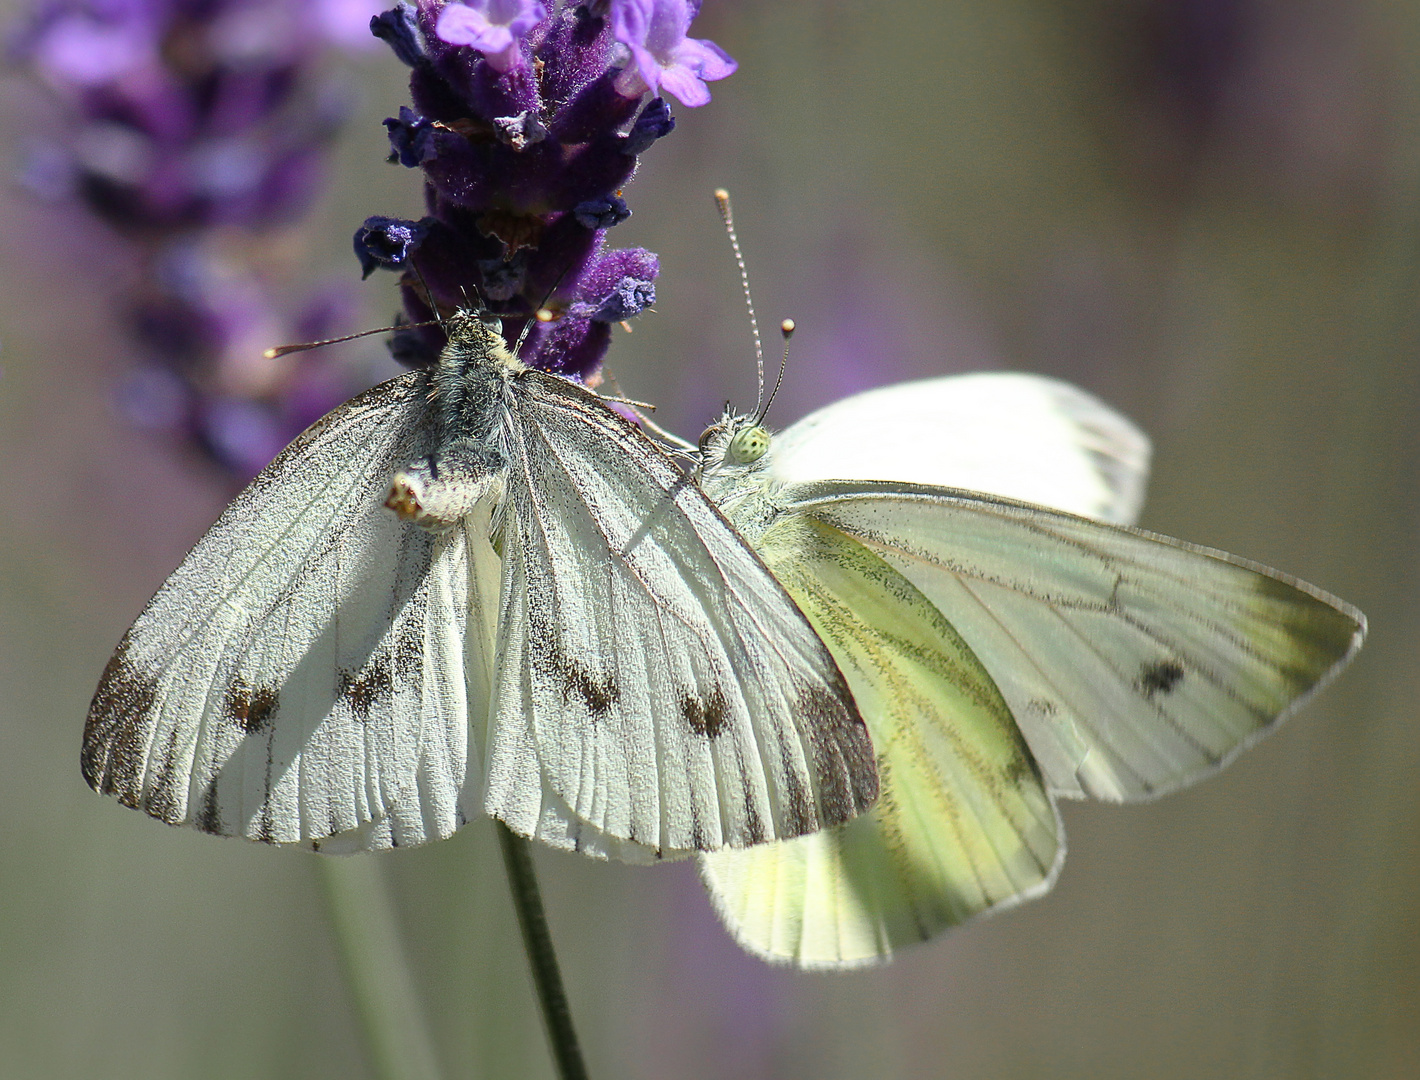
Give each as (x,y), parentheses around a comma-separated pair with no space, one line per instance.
(664,58)
(526,126)
(181,116)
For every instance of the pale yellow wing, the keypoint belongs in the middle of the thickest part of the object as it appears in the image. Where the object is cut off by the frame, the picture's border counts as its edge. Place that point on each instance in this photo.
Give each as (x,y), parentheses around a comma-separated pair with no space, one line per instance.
(1134,664)
(963,823)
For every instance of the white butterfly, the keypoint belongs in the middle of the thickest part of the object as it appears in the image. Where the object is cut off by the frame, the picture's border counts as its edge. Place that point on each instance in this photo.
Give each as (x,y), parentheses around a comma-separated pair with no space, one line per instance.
(630,680)
(1002,653)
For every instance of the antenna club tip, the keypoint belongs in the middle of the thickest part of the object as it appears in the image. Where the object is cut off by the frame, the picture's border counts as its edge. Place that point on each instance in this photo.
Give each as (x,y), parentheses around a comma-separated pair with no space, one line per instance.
(787,328)
(721,195)
(271,353)
(545,315)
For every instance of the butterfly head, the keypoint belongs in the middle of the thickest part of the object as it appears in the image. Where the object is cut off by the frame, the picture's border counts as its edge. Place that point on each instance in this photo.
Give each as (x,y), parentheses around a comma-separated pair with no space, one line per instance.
(470,326)
(735,440)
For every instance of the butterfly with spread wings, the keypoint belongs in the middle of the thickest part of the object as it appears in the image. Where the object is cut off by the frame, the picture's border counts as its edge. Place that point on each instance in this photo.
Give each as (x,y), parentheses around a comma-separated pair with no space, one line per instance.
(553,626)
(1002,652)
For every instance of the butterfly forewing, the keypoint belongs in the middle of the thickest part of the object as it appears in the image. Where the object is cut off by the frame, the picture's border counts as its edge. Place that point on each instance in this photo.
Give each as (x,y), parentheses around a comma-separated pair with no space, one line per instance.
(301,674)
(673,693)
(1133,663)
(1010,433)
(963,823)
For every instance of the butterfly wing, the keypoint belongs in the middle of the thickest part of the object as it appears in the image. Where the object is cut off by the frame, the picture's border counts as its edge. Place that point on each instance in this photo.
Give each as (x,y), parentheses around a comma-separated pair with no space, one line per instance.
(301,676)
(963,823)
(1134,664)
(654,677)
(1008,433)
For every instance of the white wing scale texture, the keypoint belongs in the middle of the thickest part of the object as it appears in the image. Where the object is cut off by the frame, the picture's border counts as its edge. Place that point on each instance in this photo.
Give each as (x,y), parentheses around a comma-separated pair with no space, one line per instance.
(309,673)
(1008,433)
(301,674)
(675,697)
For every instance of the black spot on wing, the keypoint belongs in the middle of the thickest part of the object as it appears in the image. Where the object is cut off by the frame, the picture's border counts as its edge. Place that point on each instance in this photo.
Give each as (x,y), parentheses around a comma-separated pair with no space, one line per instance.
(704,716)
(364,689)
(1159,677)
(599,695)
(115,748)
(250,710)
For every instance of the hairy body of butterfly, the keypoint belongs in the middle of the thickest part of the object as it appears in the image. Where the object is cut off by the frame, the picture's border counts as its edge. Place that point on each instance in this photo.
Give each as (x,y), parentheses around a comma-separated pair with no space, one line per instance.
(552,626)
(1003,653)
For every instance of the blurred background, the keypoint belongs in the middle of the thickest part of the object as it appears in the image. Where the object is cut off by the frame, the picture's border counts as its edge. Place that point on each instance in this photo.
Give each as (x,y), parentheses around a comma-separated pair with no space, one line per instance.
(1205,211)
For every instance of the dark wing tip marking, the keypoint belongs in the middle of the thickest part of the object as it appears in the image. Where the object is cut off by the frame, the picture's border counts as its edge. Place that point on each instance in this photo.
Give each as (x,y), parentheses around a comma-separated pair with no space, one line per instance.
(706,717)
(1159,677)
(250,710)
(115,746)
(800,816)
(209,817)
(842,750)
(364,689)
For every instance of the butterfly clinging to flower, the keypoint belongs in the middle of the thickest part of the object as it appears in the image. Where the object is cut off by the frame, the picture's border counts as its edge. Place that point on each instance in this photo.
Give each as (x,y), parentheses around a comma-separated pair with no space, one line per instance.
(477,589)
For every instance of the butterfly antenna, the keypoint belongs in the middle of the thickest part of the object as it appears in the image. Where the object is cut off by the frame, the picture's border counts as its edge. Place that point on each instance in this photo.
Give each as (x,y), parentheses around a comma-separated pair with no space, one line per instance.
(543,314)
(787,329)
(722,202)
(285,350)
(428,296)
(677,445)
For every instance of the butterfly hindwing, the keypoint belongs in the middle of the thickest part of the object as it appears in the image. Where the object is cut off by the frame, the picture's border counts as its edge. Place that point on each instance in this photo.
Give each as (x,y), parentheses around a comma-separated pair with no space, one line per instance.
(1134,664)
(963,823)
(674,695)
(301,675)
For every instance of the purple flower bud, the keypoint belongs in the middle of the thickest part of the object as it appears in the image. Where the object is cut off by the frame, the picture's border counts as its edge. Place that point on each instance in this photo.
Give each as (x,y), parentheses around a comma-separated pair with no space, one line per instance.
(399,28)
(655,122)
(180,116)
(387,242)
(412,138)
(601,213)
(569,346)
(617,285)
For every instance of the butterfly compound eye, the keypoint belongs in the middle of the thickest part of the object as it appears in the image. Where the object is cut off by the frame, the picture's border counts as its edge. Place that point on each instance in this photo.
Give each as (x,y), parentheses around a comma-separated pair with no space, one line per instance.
(749,445)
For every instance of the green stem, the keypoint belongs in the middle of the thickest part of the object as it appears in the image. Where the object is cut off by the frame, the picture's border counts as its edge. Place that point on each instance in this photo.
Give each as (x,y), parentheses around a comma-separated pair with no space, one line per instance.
(363,919)
(542,959)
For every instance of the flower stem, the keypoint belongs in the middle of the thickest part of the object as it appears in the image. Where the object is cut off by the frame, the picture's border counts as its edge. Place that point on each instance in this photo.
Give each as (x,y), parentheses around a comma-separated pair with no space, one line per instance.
(542,959)
(367,937)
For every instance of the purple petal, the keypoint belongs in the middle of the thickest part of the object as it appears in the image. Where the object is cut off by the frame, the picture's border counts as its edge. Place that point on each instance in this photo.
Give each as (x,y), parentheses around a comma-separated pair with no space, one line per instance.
(460,24)
(705,58)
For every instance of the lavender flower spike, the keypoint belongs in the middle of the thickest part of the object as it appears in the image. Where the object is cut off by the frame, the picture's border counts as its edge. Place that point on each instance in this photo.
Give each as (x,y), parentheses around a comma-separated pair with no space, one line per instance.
(527,126)
(654,31)
(493,27)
